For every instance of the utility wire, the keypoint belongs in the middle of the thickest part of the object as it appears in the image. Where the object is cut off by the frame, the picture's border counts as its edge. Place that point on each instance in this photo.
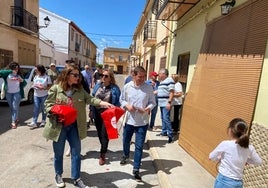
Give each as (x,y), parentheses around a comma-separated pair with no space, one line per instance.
(109,35)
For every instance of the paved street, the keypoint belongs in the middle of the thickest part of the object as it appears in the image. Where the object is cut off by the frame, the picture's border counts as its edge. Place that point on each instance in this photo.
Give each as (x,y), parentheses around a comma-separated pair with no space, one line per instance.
(26,159)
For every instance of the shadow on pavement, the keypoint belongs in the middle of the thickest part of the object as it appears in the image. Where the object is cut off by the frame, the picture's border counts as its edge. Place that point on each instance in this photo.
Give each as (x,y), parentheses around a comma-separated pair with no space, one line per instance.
(25,113)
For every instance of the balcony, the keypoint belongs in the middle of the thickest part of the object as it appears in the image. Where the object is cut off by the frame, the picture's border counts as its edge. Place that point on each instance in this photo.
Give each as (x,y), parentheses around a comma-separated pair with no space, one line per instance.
(149,34)
(172,10)
(23,20)
(135,49)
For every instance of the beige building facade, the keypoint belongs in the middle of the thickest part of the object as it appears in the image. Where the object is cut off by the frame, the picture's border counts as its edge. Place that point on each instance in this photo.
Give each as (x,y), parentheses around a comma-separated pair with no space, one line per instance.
(116,59)
(19,32)
(221,59)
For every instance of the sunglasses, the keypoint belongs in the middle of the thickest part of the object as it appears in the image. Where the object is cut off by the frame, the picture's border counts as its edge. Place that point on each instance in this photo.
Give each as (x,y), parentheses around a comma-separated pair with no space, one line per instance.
(75,74)
(105,75)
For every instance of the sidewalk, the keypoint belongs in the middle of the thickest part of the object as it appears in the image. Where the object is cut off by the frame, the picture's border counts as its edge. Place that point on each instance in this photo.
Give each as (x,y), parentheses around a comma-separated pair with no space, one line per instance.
(174,166)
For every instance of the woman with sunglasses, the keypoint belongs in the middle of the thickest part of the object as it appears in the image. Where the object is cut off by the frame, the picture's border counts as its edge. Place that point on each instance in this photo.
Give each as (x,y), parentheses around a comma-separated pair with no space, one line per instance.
(108,91)
(69,91)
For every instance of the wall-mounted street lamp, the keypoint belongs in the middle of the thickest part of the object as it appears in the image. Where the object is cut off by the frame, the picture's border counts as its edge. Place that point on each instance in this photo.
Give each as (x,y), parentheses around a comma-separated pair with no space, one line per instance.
(46,22)
(227,6)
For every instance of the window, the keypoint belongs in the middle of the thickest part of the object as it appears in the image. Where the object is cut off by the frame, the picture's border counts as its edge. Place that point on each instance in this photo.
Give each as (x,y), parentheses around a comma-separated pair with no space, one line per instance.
(6,56)
(72,34)
(120,58)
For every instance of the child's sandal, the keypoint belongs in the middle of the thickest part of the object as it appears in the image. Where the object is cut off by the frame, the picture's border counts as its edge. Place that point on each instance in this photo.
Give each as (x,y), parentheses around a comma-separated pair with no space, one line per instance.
(13,126)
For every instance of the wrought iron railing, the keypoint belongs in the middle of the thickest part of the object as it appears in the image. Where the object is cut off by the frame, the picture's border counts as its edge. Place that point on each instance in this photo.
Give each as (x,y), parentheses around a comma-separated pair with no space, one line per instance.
(157,5)
(149,31)
(22,18)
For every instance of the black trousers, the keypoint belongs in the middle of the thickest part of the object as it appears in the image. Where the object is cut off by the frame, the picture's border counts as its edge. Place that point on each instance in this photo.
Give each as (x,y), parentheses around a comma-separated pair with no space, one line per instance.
(102,133)
(177,117)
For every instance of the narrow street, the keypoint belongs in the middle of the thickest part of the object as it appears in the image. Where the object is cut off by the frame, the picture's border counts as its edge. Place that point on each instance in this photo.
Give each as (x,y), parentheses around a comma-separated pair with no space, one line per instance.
(26,159)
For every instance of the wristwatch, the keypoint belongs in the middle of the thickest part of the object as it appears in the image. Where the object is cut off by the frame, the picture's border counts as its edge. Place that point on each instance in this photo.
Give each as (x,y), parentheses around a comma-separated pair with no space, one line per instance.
(169,102)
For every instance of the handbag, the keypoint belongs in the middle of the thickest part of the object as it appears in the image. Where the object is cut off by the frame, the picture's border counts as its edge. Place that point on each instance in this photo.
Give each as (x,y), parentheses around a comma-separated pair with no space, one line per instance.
(110,118)
(66,114)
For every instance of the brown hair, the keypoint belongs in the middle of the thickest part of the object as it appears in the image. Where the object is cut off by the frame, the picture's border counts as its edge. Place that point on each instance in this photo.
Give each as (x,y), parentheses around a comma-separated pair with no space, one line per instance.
(111,74)
(62,79)
(239,131)
(139,69)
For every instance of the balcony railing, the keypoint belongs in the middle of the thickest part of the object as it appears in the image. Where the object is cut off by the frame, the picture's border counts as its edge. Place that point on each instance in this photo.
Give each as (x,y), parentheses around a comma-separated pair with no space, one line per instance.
(21,18)
(149,33)
(172,10)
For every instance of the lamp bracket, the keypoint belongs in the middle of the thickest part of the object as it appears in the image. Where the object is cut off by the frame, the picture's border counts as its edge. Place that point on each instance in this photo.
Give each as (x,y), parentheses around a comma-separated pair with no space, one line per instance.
(162,22)
(229,2)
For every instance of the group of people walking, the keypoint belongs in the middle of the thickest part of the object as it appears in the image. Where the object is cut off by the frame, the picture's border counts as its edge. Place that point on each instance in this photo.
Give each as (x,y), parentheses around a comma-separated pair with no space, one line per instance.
(139,98)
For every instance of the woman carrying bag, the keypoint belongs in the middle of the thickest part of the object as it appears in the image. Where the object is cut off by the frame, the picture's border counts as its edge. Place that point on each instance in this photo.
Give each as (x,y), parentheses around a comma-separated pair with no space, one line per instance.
(68,91)
(108,91)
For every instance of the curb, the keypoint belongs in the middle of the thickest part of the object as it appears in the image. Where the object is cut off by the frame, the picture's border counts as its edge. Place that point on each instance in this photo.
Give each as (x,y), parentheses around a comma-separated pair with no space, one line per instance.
(162,176)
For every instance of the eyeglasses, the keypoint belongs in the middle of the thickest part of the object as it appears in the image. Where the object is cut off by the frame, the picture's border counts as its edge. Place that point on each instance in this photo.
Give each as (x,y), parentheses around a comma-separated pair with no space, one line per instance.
(75,74)
(105,75)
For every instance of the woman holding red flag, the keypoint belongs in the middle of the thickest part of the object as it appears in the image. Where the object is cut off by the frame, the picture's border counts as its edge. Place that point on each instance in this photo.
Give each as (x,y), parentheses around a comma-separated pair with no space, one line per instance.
(108,91)
(69,91)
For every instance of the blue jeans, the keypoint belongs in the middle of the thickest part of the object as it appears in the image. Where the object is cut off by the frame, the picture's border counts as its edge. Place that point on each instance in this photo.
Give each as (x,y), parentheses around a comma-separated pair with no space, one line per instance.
(69,133)
(39,106)
(13,100)
(225,182)
(153,115)
(140,134)
(166,123)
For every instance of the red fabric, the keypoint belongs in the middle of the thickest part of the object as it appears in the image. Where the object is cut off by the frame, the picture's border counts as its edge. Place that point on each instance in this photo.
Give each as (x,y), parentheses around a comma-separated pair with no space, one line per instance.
(67,114)
(110,118)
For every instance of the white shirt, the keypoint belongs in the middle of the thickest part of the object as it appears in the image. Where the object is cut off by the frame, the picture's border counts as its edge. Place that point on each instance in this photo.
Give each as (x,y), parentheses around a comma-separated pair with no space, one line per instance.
(13,83)
(140,97)
(41,80)
(177,100)
(234,158)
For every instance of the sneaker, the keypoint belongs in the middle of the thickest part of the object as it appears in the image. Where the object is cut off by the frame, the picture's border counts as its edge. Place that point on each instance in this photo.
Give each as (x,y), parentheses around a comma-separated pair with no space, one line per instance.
(123,160)
(102,159)
(59,181)
(137,175)
(79,183)
(42,124)
(32,125)
(170,139)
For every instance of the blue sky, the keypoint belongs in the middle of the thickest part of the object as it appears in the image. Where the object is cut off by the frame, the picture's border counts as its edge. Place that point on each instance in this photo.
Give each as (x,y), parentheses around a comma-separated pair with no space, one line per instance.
(108,23)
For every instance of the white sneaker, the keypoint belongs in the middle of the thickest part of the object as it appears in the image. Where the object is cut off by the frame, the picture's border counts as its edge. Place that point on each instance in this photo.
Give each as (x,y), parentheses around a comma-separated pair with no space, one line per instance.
(42,124)
(32,125)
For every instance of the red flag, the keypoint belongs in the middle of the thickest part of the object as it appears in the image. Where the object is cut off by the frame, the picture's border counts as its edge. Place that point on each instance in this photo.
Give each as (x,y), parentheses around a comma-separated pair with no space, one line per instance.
(110,118)
(66,113)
